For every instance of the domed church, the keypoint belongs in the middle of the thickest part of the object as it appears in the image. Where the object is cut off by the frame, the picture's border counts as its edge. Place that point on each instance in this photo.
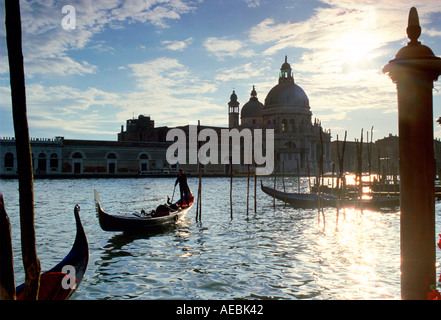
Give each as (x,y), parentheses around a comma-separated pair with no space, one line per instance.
(286,110)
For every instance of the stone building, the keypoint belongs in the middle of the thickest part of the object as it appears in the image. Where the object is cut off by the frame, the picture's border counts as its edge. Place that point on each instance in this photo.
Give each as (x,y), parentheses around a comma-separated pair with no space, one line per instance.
(297,140)
(63,157)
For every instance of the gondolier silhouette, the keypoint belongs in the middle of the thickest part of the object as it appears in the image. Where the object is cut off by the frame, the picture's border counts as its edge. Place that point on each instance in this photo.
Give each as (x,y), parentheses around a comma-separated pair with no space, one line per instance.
(183,186)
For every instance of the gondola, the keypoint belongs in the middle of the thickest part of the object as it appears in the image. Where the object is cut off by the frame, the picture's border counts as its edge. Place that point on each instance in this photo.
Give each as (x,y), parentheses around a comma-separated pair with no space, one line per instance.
(300,200)
(374,202)
(164,215)
(310,200)
(60,283)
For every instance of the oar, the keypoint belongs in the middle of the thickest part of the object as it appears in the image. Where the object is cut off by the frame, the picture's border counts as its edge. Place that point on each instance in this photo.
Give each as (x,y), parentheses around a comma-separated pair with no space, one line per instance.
(173,193)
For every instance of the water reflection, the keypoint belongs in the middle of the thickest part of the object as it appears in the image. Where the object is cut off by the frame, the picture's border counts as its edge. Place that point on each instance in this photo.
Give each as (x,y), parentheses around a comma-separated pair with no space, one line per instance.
(274,253)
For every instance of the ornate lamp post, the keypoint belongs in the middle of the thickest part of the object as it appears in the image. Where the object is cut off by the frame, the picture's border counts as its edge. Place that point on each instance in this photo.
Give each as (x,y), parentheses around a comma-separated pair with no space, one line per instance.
(414,70)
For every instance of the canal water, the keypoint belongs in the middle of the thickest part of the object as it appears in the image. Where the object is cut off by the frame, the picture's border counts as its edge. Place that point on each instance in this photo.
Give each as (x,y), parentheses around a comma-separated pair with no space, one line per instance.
(273,253)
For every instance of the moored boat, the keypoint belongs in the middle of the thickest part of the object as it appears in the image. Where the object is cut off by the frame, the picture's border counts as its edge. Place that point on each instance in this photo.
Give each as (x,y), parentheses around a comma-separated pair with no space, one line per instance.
(374,202)
(301,200)
(310,200)
(164,215)
(61,282)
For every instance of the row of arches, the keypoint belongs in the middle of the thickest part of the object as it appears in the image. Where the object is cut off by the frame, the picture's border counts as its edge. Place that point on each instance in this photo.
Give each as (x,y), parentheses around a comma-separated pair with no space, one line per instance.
(145,162)
(42,164)
(51,163)
(289,125)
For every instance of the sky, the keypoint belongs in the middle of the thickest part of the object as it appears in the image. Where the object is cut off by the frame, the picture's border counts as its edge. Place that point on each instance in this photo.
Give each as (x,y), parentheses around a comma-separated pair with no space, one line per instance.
(91,66)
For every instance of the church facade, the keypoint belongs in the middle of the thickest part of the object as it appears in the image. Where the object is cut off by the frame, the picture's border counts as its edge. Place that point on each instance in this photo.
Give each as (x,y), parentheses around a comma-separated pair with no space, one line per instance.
(299,143)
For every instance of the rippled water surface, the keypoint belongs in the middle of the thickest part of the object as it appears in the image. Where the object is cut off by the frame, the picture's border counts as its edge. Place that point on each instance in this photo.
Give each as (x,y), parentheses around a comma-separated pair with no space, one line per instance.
(273,253)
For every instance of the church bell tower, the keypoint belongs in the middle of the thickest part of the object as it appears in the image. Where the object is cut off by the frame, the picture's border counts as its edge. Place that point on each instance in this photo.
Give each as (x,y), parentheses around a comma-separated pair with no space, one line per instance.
(233,111)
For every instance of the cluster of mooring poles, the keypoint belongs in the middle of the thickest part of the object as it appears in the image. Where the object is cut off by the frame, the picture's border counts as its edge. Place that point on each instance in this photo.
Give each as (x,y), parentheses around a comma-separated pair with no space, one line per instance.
(414,69)
(248,189)
(340,176)
(199,192)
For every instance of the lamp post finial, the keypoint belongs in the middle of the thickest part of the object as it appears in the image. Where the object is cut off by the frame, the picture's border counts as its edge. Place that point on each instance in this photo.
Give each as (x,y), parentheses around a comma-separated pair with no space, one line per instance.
(413,27)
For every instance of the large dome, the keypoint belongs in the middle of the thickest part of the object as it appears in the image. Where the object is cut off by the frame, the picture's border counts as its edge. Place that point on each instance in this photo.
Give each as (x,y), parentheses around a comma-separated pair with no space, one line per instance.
(286,92)
(253,108)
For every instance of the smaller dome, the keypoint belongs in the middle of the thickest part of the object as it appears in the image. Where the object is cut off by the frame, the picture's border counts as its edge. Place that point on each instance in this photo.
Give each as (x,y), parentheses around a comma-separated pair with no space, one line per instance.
(233,96)
(286,65)
(253,108)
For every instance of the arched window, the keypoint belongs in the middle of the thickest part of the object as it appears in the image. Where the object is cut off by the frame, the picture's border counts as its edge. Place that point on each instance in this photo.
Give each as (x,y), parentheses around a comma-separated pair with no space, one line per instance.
(284,125)
(9,161)
(41,168)
(144,163)
(53,163)
(111,163)
(292,126)
(289,145)
(77,160)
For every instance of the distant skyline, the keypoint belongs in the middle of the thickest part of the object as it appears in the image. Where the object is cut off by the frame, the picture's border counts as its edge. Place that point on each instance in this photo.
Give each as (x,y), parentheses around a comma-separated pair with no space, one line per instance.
(178,61)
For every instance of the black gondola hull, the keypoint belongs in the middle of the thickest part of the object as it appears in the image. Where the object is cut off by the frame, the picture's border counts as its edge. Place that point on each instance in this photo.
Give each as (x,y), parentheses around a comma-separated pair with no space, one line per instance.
(135,223)
(53,283)
(311,200)
(301,200)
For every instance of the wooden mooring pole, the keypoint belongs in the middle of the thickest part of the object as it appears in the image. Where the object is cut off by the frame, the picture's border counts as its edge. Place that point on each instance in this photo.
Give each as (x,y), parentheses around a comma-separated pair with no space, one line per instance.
(231,188)
(31,262)
(7,280)
(248,189)
(275,177)
(414,70)
(199,197)
(255,189)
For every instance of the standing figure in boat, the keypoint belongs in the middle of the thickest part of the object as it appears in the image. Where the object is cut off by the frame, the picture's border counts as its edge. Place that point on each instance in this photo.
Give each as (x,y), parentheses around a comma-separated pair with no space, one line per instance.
(183,186)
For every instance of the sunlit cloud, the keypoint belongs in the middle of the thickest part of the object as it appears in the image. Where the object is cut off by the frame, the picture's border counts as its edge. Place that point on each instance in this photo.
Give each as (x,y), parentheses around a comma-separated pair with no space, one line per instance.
(344,46)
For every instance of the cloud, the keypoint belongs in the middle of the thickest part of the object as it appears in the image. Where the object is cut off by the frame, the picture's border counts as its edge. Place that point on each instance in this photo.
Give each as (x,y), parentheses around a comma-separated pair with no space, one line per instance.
(67,109)
(246,71)
(253,3)
(433,33)
(46,43)
(57,65)
(226,48)
(177,45)
(154,12)
(169,92)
